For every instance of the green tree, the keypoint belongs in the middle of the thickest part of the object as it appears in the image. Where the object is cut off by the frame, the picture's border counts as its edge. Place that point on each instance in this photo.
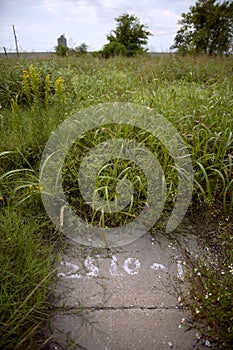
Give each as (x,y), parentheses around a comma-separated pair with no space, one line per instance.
(130,33)
(206,28)
(81,49)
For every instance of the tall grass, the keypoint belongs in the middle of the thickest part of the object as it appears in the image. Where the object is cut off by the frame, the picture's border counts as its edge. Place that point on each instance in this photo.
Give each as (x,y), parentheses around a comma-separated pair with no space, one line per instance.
(193,93)
(25,275)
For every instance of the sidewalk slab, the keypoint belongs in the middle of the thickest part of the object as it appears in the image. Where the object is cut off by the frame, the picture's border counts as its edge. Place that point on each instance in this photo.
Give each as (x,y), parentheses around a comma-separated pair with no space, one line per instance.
(126,299)
(124,330)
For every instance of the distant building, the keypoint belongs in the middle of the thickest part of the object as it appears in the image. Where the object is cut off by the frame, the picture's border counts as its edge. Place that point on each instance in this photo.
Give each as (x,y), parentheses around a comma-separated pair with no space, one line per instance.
(62,41)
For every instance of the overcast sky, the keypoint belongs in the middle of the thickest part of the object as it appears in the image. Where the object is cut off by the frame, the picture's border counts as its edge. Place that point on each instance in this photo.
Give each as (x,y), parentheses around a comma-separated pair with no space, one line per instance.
(39,23)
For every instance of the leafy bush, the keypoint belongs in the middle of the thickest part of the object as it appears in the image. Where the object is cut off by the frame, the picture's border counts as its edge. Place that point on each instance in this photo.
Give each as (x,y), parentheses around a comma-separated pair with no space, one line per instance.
(114,48)
(62,50)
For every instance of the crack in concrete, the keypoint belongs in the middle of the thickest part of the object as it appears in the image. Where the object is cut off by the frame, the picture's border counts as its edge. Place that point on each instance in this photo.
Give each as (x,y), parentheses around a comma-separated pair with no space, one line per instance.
(120,308)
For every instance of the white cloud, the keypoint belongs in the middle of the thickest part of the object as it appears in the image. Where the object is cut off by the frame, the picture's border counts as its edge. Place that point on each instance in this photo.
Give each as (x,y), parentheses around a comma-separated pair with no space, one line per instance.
(52,6)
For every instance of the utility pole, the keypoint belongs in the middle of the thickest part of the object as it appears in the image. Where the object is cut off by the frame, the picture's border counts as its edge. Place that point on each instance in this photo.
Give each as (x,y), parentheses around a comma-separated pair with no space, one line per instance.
(5,51)
(16,43)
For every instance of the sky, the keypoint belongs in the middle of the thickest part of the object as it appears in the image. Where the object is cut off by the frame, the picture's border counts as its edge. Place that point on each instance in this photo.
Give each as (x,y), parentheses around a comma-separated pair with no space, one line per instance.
(38,23)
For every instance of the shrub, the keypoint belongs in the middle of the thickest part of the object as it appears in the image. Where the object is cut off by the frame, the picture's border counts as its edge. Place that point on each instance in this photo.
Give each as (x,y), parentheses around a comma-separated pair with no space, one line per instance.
(61,50)
(113,48)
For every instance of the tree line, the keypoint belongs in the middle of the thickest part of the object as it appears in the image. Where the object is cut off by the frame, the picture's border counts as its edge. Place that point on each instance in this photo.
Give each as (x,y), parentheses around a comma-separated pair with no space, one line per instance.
(206,28)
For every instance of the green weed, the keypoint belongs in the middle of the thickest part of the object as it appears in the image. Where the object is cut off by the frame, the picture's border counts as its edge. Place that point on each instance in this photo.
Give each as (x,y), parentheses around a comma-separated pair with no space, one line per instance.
(209,276)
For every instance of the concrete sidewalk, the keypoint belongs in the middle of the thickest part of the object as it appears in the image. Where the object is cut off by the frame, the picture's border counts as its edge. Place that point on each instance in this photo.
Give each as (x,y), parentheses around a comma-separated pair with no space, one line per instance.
(125,301)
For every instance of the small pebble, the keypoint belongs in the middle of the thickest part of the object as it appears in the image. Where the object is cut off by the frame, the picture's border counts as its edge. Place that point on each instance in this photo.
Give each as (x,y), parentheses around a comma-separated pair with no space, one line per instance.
(207,343)
(170,344)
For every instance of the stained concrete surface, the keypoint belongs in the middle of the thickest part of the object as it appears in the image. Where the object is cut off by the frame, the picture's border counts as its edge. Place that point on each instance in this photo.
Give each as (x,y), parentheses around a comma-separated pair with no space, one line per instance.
(127,299)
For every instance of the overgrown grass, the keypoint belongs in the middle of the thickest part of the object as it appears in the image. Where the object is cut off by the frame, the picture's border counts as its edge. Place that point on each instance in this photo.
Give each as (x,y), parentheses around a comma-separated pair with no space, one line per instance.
(111,173)
(193,93)
(25,275)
